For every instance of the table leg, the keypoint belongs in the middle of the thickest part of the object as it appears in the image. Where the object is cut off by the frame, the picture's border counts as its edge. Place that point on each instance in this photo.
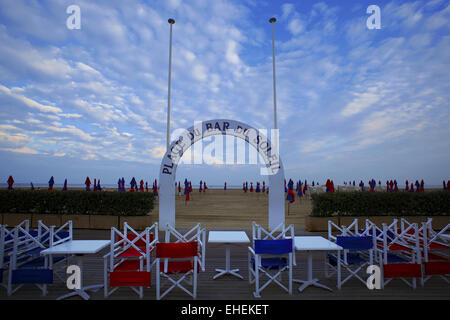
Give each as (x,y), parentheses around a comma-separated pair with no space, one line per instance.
(310,281)
(227,269)
(82,291)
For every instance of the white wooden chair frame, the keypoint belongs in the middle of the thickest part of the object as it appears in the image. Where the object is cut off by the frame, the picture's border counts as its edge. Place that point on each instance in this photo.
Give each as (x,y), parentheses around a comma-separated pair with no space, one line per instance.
(414,253)
(23,244)
(259,233)
(255,269)
(193,274)
(112,260)
(195,234)
(427,240)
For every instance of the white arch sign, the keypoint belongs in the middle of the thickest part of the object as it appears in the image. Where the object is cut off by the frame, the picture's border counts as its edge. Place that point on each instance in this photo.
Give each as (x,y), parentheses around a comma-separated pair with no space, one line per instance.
(268,152)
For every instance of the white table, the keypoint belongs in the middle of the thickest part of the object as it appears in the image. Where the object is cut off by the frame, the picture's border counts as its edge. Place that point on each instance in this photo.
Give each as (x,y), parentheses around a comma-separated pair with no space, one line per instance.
(310,244)
(78,248)
(228,237)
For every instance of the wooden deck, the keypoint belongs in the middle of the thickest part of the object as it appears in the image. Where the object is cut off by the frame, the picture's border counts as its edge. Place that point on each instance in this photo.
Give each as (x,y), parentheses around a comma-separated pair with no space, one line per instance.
(231,288)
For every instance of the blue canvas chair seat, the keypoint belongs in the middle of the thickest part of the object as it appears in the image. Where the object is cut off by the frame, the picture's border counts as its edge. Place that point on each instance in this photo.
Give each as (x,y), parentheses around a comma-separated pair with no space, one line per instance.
(272,263)
(357,253)
(352,258)
(268,255)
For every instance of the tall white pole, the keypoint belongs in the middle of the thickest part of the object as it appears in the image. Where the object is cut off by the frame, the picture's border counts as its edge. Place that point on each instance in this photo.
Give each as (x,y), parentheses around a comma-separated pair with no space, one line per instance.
(171,22)
(272,21)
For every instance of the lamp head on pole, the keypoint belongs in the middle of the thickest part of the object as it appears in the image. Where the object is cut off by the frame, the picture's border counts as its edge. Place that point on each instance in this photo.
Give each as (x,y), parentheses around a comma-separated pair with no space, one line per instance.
(272,20)
(171,21)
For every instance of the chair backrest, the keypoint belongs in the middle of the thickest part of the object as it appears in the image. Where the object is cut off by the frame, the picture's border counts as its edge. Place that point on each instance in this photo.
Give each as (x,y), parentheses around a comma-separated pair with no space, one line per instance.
(352,243)
(279,232)
(278,246)
(197,233)
(334,229)
(177,250)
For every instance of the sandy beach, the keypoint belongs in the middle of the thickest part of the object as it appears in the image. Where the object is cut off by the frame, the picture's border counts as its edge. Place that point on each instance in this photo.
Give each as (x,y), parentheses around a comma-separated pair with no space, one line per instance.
(232,209)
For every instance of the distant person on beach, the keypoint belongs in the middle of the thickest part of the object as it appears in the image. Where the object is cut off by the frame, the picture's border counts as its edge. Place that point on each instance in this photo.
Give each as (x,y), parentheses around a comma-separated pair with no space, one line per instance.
(10,183)
(51,182)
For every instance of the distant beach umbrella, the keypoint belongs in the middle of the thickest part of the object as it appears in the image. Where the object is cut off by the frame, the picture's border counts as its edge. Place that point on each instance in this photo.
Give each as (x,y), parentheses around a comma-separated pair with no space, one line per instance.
(448,185)
(99,186)
(422,184)
(243,187)
(328,185)
(305,187)
(387,185)
(411,189)
(391,186)
(417,184)
(119,185)
(361,185)
(290,193)
(95,184)
(285,188)
(65,185)
(258,188)
(10,183)
(407,185)
(190,186)
(146,186)
(395,186)
(87,182)
(313,183)
(51,182)
(299,189)
(444,185)
(332,186)
(201,186)
(251,186)
(264,187)
(225,186)
(179,187)
(204,186)
(141,185)
(372,184)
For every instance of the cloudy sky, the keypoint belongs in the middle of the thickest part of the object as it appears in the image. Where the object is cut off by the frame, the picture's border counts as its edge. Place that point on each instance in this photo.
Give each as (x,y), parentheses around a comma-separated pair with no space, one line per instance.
(353,103)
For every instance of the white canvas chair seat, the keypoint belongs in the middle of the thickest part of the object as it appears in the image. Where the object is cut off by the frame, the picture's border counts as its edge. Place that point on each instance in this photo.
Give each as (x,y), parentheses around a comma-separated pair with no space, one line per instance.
(197,233)
(177,263)
(129,262)
(270,258)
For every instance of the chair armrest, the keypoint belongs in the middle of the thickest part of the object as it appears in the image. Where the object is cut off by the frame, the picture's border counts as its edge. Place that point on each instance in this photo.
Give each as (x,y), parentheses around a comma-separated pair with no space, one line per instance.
(250,250)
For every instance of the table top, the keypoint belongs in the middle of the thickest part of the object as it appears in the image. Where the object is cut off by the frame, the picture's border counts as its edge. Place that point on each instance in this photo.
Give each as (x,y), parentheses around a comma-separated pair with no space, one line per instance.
(310,243)
(77,247)
(228,237)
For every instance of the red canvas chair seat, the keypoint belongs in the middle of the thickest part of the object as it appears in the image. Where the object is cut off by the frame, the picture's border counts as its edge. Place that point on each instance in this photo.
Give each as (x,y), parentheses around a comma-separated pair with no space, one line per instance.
(129,261)
(186,264)
(178,267)
(402,270)
(437,267)
(128,265)
(130,279)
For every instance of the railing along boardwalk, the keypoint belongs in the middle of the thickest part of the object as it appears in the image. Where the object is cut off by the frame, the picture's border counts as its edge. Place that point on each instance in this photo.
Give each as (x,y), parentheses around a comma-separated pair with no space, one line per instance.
(231,288)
